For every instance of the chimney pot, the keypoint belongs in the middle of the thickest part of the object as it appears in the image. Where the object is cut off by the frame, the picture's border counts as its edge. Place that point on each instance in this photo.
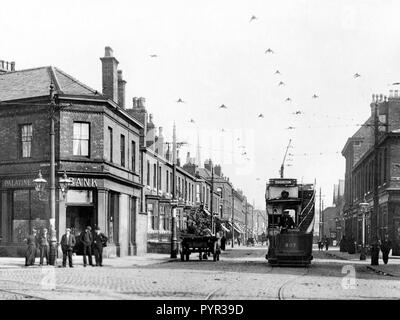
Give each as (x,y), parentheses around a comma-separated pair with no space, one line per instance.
(108,52)
(121,90)
(110,75)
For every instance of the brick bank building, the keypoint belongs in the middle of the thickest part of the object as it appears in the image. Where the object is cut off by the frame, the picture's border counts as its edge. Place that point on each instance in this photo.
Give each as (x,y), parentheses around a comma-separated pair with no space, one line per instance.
(96,144)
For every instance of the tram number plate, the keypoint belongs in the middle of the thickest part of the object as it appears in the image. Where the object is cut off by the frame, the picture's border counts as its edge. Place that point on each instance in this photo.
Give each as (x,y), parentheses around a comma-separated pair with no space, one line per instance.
(290,245)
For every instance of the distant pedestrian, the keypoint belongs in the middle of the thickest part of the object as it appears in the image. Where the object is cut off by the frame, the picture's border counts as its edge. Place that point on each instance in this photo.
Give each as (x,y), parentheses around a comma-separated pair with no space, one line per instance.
(326,244)
(67,245)
(342,244)
(44,246)
(386,246)
(238,240)
(375,247)
(86,238)
(320,245)
(99,241)
(223,242)
(30,254)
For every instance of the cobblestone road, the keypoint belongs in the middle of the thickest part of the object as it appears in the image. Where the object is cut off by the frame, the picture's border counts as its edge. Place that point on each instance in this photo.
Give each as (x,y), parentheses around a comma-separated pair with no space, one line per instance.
(240,274)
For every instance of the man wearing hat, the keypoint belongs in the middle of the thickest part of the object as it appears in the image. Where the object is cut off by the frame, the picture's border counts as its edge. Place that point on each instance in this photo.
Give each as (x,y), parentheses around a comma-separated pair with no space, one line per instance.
(30,254)
(44,246)
(87,240)
(99,241)
(67,245)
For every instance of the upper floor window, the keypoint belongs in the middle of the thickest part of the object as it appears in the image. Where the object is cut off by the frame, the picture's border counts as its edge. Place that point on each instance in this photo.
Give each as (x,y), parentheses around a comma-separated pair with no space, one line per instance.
(133,156)
(26,140)
(110,144)
(154,175)
(81,139)
(122,147)
(148,172)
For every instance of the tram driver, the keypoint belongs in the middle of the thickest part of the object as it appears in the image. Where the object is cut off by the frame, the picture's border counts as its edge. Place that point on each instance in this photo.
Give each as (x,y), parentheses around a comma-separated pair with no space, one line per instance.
(286,221)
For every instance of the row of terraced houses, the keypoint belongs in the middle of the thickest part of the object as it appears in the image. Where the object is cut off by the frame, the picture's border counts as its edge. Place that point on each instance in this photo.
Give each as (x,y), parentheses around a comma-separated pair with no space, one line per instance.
(119,164)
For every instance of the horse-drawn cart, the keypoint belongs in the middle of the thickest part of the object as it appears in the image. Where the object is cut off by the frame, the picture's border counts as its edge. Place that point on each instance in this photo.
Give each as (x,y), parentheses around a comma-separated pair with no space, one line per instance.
(201,244)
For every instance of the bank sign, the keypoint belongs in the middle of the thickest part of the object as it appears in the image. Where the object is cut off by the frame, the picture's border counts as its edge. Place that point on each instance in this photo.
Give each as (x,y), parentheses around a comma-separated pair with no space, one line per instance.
(27,183)
(84,182)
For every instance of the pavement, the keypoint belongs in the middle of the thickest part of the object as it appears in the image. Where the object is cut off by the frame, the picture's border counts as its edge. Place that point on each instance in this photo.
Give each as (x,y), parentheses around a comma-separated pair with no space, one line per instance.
(391,269)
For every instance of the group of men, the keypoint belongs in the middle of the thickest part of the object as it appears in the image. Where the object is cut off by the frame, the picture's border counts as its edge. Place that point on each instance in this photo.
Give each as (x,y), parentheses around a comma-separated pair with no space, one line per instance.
(91,242)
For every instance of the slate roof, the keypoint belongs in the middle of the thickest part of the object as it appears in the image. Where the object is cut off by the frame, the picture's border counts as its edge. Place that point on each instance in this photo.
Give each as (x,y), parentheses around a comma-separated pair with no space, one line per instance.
(31,83)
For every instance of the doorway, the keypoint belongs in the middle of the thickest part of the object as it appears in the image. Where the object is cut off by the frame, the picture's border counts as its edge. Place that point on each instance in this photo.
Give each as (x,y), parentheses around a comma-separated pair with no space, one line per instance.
(78,218)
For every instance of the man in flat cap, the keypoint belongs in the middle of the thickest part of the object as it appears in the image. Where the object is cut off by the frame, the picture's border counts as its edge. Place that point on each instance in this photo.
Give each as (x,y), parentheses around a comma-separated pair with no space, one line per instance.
(30,254)
(67,245)
(99,241)
(86,238)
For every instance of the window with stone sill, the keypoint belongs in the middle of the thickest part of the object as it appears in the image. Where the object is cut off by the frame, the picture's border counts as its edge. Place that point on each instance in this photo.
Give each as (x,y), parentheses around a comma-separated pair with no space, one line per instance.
(26,140)
(81,139)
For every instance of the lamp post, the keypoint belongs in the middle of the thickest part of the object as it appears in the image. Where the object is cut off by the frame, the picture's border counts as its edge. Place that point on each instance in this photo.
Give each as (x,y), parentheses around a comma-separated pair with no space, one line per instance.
(233,215)
(364,205)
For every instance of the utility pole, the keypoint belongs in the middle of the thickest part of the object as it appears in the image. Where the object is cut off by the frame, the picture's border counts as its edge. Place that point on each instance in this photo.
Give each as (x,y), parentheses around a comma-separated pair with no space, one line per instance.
(284,158)
(212,196)
(320,216)
(174,240)
(374,220)
(233,216)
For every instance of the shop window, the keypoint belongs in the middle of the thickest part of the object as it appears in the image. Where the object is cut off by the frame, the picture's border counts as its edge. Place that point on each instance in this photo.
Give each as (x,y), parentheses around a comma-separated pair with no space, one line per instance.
(28,212)
(81,139)
(162,218)
(151,217)
(26,140)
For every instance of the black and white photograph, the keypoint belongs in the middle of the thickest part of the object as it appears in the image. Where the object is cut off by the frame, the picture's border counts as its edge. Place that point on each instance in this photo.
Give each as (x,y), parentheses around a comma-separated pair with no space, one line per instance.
(208,152)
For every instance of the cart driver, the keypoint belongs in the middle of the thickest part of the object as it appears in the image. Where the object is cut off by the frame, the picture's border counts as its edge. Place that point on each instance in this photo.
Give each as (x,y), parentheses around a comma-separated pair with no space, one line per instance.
(286,221)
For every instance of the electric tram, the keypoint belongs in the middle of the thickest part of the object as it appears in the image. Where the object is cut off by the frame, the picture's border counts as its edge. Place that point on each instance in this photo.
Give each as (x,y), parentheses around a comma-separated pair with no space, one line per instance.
(291,214)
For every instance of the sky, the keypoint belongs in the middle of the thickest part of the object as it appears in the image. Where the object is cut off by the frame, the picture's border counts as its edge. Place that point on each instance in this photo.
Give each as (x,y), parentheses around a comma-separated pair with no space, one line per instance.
(211,53)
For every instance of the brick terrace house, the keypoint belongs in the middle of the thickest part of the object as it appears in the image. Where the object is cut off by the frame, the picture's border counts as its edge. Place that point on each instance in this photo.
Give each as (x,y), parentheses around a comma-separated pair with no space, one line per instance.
(97,145)
(359,175)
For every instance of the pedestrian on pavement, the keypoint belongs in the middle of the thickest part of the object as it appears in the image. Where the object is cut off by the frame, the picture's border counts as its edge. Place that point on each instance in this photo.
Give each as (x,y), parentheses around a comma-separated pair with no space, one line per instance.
(386,246)
(99,241)
(67,245)
(44,246)
(238,240)
(86,238)
(375,247)
(223,242)
(30,254)
(319,245)
(342,244)
(326,244)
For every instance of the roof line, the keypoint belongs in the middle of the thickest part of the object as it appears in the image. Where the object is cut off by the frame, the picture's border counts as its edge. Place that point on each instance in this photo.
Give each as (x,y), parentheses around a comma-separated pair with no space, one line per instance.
(77,81)
(54,78)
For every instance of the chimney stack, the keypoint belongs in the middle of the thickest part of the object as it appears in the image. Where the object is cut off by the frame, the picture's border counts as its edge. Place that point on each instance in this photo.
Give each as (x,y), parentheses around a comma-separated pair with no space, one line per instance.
(160,142)
(110,75)
(150,135)
(6,66)
(121,90)
(217,170)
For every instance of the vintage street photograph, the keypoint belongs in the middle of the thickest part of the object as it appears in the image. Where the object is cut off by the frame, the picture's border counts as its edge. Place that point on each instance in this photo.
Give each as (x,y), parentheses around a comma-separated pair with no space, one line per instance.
(199,151)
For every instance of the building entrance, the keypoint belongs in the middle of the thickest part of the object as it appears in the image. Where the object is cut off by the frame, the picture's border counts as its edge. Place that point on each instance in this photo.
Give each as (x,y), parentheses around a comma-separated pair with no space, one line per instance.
(78,218)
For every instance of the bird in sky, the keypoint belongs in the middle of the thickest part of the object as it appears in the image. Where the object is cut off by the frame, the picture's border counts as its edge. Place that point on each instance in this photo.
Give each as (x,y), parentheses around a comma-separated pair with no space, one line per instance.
(253,17)
(261,115)
(297,112)
(223,130)
(153,56)
(281,83)
(288,99)
(223,107)
(192,121)
(277,72)
(290,128)
(315,96)
(356,75)
(269,50)
(394,84)
(258,179)
(244,153)
(180,101)
(248,159)
(238,139)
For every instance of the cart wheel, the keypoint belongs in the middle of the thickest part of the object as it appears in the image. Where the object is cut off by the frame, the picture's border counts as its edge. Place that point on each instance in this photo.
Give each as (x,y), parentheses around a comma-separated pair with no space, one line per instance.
(187,256)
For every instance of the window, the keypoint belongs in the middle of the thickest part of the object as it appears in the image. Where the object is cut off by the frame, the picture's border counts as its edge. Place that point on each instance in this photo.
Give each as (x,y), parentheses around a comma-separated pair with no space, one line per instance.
(155,176)
(26,140)
(133,156)
(110,144)
(167,181)
(162,218)
(122,148)
(148,172)
(81,139)
(151,216)
(171,181)
(159,178)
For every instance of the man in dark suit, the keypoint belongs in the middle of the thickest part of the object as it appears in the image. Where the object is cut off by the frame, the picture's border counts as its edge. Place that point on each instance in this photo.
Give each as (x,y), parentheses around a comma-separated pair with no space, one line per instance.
(87,241)
(99,241)
(44,246)
(31,250)
(67,244)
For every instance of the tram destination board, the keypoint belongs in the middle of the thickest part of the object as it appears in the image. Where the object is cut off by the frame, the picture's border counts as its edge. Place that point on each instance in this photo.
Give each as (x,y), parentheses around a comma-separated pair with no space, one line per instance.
(283,182)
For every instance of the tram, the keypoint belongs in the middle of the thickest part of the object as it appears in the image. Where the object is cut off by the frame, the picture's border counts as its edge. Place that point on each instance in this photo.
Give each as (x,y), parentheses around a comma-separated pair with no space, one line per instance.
(291,214)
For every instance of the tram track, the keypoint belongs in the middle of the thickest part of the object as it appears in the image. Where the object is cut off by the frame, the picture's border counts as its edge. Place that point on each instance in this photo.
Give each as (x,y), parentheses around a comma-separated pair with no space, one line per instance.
(288,282)
(23,295)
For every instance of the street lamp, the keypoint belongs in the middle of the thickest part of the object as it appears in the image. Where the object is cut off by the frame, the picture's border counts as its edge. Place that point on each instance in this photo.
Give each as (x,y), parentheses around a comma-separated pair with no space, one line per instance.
(64,183)
(39,184)
(364,206)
